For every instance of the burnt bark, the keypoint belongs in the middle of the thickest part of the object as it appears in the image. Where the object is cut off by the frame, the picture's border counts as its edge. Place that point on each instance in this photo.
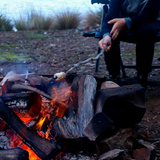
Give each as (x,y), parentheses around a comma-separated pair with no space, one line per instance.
(44,148)
(14,154)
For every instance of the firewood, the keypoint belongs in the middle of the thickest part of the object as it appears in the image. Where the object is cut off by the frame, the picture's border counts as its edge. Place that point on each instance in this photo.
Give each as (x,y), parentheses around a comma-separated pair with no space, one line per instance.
(5,86)
(15,96)
(29,88)
(98,124)
(81,109)
(124,105)
(44,148)
(14,154)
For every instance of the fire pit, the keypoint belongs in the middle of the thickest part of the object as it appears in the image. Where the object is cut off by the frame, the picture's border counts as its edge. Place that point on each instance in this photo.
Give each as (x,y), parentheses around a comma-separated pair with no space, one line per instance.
(67,116)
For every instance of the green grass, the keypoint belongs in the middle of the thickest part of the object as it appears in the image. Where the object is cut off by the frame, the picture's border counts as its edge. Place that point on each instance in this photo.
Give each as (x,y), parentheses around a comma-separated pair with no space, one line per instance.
(8,45)
(11,57)
(31,35)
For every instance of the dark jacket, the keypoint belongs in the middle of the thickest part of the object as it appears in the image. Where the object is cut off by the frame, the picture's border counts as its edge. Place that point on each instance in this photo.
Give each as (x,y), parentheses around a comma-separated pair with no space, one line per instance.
(149,14)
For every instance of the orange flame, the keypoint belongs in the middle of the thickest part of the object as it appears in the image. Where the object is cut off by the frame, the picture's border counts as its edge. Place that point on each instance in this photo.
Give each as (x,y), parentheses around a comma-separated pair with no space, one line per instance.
(38,126)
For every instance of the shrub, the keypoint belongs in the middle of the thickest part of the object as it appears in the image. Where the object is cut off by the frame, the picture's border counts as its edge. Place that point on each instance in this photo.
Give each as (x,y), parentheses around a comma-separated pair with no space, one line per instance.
(67,20)
(5,24)
(93,18)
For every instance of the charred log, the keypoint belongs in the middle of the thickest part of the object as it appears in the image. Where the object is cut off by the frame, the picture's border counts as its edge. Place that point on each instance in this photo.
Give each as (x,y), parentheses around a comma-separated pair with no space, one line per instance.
(124,105)
(15,96)
(98,124)
(14,154)
(44,148)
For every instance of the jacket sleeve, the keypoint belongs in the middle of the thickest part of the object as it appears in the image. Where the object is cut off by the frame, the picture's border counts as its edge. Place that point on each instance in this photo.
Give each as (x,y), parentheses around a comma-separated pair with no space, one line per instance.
(148,15)
(113,12)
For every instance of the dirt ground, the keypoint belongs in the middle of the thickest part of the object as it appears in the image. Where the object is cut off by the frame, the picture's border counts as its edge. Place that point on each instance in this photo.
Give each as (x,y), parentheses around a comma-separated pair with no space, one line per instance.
(46,53)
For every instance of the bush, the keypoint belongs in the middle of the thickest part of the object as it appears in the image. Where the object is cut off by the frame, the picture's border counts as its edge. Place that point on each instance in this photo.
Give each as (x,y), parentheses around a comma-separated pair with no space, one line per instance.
(67,20)
(5,24)
(93,18)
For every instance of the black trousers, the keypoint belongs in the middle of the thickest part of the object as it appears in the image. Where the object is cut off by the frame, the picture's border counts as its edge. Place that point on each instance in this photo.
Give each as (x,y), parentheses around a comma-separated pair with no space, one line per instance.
(145,35)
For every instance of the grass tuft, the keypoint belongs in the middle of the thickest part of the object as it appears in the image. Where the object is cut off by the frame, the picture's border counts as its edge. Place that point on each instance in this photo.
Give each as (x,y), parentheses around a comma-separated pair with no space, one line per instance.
(34,20)
(21,23)
(93,18)
(67,20)
(31,35)
(5,24)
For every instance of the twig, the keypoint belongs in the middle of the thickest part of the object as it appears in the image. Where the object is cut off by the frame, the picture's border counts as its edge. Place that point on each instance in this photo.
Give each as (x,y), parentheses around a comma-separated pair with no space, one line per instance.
(87,60)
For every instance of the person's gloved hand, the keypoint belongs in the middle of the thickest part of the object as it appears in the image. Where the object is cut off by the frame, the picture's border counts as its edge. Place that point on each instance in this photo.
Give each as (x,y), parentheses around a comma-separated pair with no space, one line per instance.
(106,41)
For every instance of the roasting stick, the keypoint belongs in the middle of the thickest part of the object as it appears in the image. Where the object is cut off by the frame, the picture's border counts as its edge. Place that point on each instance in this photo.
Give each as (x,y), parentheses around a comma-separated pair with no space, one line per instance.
(62,75)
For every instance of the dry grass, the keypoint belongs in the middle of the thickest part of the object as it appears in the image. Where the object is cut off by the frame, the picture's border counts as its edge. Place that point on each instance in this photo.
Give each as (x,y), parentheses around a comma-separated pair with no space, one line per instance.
(67,20)
(34,20)
(93,18)
(39,21)
(5,23)
(20,24)
(60,21)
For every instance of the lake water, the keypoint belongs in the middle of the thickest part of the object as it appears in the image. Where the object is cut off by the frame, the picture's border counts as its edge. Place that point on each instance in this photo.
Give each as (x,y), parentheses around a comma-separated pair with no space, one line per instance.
(14,8)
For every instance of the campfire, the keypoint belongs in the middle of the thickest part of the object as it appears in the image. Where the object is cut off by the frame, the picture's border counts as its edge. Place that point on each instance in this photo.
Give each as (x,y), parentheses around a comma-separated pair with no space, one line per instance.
(43,118)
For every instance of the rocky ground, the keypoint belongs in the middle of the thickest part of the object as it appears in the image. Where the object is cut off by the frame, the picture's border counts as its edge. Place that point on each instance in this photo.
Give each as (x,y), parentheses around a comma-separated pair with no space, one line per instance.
(46,53)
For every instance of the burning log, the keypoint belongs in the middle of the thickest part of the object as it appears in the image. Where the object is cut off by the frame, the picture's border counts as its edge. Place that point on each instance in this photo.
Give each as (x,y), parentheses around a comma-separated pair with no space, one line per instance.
(15,96)
(81,109)
(44,148)
(14,154)
(29,88)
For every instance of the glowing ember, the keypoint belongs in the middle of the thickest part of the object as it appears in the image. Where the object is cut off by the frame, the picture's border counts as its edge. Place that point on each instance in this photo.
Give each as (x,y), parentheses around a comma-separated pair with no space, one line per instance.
(16,142)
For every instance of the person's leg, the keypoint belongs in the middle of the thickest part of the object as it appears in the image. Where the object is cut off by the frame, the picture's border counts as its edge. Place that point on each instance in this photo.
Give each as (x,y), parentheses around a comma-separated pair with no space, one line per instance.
(145,49)
(112,59)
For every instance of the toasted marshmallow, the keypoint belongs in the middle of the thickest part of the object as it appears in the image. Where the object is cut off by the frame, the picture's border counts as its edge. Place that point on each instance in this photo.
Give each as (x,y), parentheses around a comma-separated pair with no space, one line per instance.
(59,76)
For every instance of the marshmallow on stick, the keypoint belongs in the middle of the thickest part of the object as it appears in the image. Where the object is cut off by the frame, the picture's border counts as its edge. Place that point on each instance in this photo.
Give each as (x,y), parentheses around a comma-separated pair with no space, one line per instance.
(62,75)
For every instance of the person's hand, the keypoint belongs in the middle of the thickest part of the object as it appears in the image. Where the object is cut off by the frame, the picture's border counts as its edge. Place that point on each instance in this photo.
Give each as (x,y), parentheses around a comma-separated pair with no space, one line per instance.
(106,41)
(119,23)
